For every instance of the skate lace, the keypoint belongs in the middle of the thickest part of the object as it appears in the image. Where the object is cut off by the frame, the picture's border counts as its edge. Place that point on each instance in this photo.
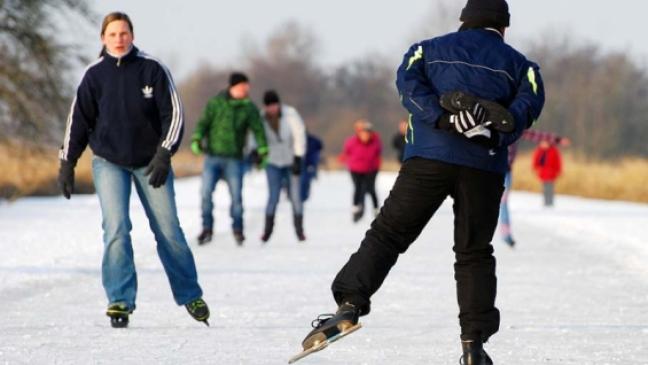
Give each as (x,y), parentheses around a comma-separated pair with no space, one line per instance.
(321,319)
(197,304)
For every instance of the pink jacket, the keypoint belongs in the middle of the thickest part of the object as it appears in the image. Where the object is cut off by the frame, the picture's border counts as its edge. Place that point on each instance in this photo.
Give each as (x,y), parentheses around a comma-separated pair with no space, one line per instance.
(362,157)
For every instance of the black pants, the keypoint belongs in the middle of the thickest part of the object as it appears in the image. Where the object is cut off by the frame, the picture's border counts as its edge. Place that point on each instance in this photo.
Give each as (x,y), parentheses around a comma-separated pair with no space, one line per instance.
(422,185)
(364,184)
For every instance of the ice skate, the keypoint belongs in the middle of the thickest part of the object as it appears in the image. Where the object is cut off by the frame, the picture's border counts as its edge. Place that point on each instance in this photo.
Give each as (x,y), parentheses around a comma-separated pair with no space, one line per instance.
(328,328)
(205,236)
(199,310)
(118,313)
(474,354)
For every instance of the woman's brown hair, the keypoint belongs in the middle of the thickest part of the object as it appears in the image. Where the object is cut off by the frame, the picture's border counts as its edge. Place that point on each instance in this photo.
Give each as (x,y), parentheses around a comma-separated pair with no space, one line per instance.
(116,15)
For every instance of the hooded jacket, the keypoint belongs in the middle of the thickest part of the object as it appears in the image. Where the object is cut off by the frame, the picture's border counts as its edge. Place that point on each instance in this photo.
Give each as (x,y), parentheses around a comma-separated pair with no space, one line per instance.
(125,108)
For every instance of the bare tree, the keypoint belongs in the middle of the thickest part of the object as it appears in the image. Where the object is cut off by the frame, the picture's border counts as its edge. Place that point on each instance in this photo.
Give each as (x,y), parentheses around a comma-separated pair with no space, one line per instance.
(34,92)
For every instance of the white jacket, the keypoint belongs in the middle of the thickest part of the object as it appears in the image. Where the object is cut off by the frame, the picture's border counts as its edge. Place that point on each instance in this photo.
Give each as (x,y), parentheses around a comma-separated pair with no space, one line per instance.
(290,141)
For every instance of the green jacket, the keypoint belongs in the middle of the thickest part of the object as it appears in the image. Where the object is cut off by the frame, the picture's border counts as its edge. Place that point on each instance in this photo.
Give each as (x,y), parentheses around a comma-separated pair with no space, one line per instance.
(224,126)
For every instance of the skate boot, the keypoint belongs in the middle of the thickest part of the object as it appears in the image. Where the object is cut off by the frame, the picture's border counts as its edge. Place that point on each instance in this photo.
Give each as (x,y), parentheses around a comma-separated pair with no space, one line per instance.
(327,326)
(358,212)
(205,236)
(267,230)
(299,227)
(199,310)
(474,354)
(509,241)
(239,237)
(118,313)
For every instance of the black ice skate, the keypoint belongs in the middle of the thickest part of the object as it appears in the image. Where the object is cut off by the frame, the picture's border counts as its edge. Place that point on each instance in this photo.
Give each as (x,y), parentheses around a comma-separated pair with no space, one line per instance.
(239,237)
(497,116)
(199,310)
(474,354)
(329,328)
(118,313)
(205,236)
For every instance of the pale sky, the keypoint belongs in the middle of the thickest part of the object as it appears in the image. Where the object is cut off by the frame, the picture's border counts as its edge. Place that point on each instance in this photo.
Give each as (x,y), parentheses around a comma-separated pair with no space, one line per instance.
(185,33)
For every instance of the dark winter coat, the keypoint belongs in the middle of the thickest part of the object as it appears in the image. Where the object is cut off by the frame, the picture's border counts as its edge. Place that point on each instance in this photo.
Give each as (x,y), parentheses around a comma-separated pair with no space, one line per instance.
(125,108)
(476,61)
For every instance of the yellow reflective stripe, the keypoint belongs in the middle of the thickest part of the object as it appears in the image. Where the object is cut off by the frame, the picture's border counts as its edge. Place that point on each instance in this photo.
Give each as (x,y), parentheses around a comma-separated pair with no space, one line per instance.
(417,56)
(532,80)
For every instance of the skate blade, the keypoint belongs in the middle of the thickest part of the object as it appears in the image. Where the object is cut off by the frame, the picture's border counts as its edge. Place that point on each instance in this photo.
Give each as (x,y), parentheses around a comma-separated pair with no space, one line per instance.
(322,345)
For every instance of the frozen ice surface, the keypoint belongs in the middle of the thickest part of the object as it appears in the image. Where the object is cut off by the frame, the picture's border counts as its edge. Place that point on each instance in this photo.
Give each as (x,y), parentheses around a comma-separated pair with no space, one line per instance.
(573,291)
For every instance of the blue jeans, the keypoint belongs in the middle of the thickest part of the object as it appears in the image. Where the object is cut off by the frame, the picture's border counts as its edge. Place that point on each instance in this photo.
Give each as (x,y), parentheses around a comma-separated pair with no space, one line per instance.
(278,177)
(113,184)
(307,176)
(231,169)
(504,217)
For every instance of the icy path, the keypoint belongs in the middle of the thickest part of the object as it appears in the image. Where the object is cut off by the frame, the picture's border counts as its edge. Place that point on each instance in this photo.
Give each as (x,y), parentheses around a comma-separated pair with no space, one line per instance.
(574,291)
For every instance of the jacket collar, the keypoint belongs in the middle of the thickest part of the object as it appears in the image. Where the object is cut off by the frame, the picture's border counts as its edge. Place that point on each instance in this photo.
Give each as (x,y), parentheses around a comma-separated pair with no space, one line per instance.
(128,57)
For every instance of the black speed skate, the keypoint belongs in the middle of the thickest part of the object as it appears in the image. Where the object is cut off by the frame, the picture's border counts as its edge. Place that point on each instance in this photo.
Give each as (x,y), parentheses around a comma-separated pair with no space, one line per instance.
(497,116)
(199,310)
(329,328)
(474,354)
(118,314)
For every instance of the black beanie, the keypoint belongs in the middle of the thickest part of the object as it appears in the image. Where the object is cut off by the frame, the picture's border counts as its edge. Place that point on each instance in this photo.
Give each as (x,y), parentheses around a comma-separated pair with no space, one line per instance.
(486,13)
(270,97)
(237,78)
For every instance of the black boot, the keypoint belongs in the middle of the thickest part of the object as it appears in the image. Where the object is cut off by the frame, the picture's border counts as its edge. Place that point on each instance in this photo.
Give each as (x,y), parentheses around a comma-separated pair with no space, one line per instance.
(329,325)
(358,212)
(474,354)
(205,236)
(267,230)
(239,237)
(299,227)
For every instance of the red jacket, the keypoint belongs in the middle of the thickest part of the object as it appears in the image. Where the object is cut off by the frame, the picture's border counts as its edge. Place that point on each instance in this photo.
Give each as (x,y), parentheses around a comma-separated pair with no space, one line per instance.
(547,163)
(362,157)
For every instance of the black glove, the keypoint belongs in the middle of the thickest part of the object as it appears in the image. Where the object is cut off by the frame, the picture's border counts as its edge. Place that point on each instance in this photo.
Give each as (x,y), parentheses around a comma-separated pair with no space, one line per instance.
(297,165)
(66,178)
(159,167)
(254,158)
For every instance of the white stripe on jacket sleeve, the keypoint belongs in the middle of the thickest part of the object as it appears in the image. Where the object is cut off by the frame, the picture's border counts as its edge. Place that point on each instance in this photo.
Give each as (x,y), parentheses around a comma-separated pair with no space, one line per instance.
(177,116)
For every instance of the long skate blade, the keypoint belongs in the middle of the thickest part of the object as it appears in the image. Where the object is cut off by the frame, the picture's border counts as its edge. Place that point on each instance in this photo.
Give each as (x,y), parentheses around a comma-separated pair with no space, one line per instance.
(321,346)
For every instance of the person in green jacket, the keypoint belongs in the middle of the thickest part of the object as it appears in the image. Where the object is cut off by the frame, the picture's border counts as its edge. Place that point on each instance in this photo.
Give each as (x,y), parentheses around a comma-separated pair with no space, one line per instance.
(221,134)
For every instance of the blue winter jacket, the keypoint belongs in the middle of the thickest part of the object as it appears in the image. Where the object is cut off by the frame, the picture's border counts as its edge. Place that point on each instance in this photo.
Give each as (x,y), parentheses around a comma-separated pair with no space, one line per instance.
(476,61)
(125,108)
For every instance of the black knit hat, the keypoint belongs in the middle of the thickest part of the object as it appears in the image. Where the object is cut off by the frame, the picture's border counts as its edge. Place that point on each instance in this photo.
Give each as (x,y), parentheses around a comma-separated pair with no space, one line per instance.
(237,78)
(270,97)
(486,13)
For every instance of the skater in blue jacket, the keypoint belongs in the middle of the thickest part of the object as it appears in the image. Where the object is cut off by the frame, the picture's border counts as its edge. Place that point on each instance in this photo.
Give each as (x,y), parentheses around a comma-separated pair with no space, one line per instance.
(455,150)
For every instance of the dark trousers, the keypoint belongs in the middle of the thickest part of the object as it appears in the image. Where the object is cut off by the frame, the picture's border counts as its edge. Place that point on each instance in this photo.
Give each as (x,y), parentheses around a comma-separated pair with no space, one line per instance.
(363,184)
(422,185)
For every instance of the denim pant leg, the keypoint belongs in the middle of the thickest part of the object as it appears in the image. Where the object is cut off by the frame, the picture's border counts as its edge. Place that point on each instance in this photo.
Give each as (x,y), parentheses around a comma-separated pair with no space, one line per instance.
(177,259)
(504,217)
(273,173)
(212,171)
(113,186)
(234,176)
(294,192)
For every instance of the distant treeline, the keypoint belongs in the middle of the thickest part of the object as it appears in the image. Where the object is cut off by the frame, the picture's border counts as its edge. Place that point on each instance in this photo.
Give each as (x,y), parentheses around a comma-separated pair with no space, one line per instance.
(598,99)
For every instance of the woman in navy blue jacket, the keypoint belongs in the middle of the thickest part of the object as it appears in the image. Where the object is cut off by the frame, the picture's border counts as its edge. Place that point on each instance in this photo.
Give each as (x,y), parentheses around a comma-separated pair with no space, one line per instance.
(128,110)
(467,163)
